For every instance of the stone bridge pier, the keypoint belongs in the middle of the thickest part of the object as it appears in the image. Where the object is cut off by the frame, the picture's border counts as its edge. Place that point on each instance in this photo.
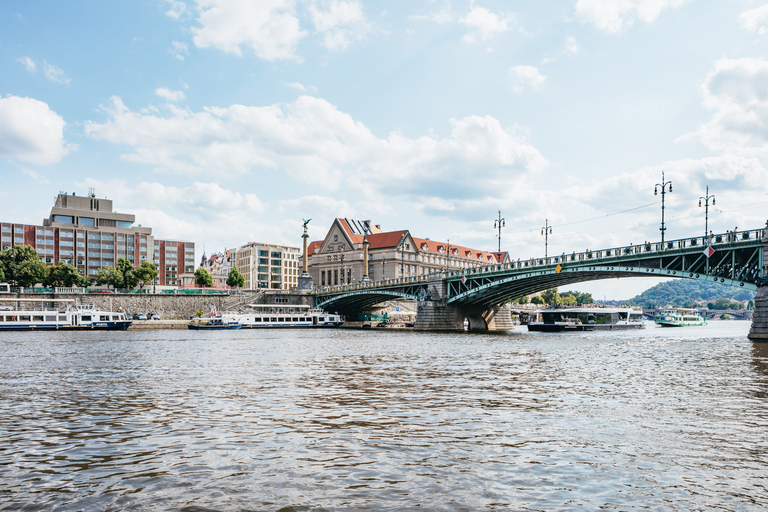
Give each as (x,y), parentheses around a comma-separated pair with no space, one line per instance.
(759,329)
(433,314)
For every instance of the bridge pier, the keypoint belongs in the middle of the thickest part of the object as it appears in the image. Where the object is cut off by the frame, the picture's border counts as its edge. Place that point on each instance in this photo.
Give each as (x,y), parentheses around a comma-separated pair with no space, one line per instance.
(759,329)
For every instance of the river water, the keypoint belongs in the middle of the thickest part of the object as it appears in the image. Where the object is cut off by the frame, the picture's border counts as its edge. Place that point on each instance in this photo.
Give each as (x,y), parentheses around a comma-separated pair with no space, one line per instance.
(348,420)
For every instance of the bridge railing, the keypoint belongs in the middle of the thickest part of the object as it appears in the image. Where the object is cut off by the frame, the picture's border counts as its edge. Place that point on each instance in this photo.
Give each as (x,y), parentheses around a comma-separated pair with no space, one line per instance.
(614,253)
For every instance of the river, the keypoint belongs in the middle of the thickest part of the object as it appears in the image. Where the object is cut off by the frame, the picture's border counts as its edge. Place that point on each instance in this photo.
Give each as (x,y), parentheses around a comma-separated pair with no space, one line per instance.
(351,420)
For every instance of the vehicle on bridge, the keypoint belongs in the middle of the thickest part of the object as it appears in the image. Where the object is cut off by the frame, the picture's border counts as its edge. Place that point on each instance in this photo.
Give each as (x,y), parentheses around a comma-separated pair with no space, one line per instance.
(561,319)
(679,317)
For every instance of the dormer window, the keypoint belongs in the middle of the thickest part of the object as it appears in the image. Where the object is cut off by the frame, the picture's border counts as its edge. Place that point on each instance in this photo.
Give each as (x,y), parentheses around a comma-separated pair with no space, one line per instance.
(424,246)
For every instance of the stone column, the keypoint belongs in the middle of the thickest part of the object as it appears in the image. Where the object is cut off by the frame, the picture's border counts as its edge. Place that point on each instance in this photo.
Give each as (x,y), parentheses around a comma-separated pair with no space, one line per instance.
(305,280)
(366,243)
(759,329)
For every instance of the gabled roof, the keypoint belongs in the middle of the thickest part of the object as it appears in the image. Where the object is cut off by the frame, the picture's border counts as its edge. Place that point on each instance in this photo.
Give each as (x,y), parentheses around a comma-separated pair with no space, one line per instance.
(314,246)
(442,248)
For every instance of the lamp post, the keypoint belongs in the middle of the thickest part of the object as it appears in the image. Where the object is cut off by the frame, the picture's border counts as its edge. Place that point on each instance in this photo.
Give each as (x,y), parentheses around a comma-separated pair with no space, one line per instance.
(342,265)
(663,186)
(402,255)
(706,199)
(448,260)
(498,224)
(383,265)
(546,231)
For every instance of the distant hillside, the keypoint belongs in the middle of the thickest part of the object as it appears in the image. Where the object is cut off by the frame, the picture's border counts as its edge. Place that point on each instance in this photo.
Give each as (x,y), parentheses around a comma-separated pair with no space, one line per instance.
(682,292)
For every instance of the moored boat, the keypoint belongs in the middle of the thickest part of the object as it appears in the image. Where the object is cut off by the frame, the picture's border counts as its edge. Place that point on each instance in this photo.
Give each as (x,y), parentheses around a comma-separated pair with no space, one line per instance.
(679,317)
(215,323)
(58,314)
(560,319)
(257,316)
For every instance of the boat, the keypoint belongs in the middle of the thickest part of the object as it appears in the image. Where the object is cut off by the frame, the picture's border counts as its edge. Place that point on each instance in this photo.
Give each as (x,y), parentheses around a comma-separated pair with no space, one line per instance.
(679,317)
(213,323)
(560,319)
(58,315)
(256,316)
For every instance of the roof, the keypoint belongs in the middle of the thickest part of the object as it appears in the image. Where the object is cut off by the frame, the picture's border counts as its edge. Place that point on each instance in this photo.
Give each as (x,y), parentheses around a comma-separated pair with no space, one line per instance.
(314,246)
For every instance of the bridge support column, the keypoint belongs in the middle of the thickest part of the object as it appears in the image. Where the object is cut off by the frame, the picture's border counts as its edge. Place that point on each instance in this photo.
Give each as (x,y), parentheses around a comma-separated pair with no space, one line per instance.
(499,318)
(759,329)
(434,316)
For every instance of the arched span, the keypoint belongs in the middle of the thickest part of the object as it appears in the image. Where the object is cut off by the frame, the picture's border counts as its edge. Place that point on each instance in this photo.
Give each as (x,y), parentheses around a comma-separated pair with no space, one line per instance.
(505,288)
(359,300)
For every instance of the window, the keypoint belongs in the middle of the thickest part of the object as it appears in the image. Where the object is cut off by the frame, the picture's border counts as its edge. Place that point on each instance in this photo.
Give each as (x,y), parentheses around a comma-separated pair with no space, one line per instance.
(65,233)
(124,224)
(18,240)
(86,221)
(64,219)
(18,230)
(6,228)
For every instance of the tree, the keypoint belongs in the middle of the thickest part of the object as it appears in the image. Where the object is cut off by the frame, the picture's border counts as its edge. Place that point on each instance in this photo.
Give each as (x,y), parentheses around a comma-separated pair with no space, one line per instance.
(551,297)
(235,279)
(2,275)
(146,273)
(65,275)
(568,300)
(536,299)
(522,300)
(127,276)
(203,278)
(108,276)
(22,259)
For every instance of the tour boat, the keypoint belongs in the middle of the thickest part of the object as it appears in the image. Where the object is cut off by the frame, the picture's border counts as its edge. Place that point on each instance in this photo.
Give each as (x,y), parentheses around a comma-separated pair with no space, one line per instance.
(215,323)
(261,316)
(56,314)
(679,317)
(586,319)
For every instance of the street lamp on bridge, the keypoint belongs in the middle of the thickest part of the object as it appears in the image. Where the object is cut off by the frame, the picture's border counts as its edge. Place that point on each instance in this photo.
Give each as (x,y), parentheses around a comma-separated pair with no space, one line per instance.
(546,231)
(499,223)
(663,186)
(706,199)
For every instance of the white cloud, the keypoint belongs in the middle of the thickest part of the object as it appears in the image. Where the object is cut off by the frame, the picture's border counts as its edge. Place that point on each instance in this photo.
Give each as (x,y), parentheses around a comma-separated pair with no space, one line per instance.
(736,91)
(524,77)
(169,95)
(322,207)
(572,45)
(55,73)
(312,142)
(444,15)
(301,87)
(28,63)
(35,176)
(339,22)
(613,16)
(30,131)
(269,27)
(485,24)
(756,20)
(179,50)
(176,9)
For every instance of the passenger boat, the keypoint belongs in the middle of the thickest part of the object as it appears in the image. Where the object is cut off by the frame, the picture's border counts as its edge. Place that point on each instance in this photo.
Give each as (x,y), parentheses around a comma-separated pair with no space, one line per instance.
(257,316)
(213,323)
(679,317)
(58,314)
(586,319)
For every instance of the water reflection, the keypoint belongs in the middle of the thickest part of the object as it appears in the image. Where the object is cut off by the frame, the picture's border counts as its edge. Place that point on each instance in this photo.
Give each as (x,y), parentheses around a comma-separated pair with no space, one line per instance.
(351,420)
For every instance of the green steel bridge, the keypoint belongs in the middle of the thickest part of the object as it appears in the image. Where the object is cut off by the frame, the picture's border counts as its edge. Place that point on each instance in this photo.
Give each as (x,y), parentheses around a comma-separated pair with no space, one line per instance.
(737,260)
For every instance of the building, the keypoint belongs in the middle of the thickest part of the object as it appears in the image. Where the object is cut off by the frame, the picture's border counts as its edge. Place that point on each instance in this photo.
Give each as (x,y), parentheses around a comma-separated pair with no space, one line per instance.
(276,267)
(86,233)
(338,258)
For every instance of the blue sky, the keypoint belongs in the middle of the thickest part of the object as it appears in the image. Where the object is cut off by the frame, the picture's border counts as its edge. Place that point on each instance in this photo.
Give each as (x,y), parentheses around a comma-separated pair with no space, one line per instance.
(230,121)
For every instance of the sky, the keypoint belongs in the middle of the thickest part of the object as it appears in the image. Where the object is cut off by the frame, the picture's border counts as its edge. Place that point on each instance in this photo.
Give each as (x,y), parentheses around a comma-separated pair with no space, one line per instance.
(225,122)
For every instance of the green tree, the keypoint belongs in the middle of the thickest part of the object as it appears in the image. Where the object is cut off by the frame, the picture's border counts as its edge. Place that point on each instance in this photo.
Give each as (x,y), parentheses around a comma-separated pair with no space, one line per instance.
(127,277)
(2,275)
(522,300)
(568,300)
(536,299)
(65,275)
(12,259)
(551,297)
(203,278)
(109,276)
(146,273)
(235,278)
(30,272)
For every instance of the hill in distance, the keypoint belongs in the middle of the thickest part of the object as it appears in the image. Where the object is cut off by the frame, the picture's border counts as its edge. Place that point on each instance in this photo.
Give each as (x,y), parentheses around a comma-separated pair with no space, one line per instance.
(682,292)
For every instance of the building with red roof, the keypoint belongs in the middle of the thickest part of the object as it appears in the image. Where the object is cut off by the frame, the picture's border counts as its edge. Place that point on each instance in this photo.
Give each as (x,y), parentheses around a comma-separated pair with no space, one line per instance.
(338,258)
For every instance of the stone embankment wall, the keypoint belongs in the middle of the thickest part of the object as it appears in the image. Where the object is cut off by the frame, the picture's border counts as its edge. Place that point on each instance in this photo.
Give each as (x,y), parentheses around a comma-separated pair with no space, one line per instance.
(167,306)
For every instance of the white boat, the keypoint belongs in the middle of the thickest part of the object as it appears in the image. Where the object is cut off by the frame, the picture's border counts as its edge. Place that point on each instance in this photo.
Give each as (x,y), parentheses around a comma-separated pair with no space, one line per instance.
(260,316)
(586,319)
(58,314)
(679,317)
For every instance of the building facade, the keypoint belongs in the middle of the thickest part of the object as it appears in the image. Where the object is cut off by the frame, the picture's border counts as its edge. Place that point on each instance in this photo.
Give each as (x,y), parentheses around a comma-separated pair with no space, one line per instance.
(338,258)
(86,233)
(270,266)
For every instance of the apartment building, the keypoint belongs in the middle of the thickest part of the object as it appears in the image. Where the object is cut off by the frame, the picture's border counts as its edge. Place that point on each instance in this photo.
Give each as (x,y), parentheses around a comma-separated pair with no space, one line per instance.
(86,233)
(275,267)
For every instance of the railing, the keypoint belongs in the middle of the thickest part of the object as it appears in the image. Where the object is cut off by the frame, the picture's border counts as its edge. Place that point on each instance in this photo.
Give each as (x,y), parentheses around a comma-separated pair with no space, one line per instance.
(602,255)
